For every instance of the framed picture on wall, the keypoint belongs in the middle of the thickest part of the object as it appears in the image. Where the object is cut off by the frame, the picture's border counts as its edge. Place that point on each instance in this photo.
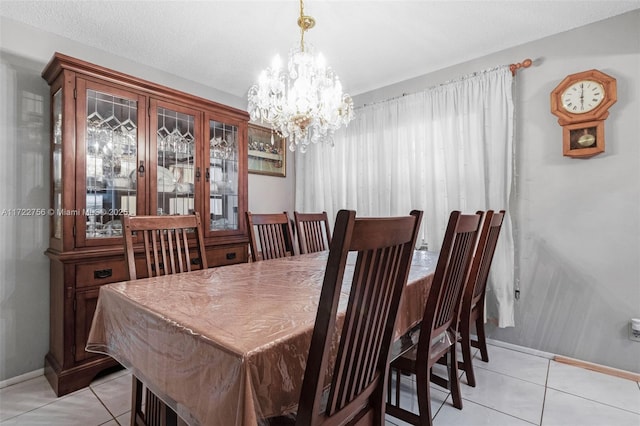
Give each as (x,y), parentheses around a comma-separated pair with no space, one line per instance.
(267,152)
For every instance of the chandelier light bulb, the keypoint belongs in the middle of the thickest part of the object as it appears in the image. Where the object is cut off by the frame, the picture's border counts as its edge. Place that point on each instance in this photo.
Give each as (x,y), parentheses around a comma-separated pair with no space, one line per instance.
(304,102)
(321,63)
(263,79)
(276,63)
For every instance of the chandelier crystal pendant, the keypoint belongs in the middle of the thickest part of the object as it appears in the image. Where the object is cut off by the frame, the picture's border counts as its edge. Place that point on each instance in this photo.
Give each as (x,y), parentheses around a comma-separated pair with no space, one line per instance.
(304,102)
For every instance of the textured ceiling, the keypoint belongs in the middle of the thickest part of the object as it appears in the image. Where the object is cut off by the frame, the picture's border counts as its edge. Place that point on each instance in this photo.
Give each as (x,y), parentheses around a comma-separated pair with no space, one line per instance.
(370,44)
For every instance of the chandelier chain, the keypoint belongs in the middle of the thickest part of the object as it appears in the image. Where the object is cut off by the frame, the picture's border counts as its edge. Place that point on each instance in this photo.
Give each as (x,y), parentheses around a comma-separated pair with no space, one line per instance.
(305,23)
(301,25)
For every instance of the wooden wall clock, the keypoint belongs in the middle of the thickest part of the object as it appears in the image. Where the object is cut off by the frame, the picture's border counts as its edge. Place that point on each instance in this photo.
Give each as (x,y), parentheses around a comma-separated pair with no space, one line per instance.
(581,102)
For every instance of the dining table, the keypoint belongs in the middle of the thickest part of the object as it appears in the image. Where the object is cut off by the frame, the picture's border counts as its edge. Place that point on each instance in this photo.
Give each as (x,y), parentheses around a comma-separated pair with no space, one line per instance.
(228,345)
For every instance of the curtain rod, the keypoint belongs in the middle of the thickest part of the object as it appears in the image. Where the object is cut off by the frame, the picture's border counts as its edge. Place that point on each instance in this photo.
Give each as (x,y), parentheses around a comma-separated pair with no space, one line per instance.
(524,64)
(513,67)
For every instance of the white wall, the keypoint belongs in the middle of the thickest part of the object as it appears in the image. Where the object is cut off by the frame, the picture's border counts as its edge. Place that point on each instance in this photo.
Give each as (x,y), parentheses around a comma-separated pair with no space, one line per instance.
(577,220)
(272,194)
(24,181)
(579,263)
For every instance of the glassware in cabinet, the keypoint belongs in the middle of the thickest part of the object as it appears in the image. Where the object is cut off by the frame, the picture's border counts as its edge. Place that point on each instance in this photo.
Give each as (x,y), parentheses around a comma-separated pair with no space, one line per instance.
(56,166)
(174,141)
(223,176)
(111,159)
(111,127)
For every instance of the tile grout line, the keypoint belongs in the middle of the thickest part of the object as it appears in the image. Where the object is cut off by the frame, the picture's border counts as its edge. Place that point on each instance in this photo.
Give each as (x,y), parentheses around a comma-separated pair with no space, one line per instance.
(598,368)
(515,378)
(547,386)
(493,408)
(499,411)
(509,375)
(104,405)
(595,401)
(60,398)
(544,396)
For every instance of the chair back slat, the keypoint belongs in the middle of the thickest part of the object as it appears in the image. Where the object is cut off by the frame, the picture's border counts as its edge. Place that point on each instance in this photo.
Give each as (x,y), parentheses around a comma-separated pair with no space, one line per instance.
(313,231)
(271,235)
(363,333)
(170,246)
(454,263)
(384,249)
(456,279)
(272,239)
(165,242)
(180,267)
(482,265)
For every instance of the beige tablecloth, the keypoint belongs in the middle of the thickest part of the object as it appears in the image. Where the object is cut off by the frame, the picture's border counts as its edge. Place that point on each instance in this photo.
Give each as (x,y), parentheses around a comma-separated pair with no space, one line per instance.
(227,346)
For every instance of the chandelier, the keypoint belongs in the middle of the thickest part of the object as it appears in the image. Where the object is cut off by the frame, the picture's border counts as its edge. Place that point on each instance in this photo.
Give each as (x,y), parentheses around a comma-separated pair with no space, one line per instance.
(303,102)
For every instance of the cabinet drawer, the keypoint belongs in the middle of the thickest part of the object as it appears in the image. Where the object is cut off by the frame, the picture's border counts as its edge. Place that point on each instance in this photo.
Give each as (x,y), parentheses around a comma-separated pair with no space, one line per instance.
(227,255)
(97,273)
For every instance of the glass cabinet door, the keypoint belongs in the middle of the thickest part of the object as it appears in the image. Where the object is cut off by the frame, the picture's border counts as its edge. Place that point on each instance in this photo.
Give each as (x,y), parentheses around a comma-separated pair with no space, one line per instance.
(223,174)
(111,130)
(56,166)
(173,146)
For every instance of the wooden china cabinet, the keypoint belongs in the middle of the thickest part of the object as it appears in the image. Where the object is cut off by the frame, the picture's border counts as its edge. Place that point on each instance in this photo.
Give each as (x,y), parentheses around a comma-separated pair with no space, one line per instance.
(119,145)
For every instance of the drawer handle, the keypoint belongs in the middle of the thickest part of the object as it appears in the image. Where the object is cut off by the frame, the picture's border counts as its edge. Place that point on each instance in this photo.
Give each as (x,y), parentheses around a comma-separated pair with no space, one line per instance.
(102,274)
(231,256)
(196,261)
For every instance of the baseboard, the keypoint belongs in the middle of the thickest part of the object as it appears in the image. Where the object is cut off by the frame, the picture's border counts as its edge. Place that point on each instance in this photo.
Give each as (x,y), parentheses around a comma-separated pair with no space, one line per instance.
(21,378)
(523,349)
(599,368)
(570,361)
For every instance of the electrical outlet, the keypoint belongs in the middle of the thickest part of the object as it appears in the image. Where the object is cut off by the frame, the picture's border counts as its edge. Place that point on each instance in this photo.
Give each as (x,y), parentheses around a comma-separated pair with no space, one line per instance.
(633,334)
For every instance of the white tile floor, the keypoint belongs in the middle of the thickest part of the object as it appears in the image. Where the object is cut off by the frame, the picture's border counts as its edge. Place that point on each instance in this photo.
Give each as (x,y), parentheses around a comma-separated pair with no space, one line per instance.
(513,389)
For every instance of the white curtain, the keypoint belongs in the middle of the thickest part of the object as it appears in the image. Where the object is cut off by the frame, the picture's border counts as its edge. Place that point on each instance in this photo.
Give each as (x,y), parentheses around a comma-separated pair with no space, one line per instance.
(443,149)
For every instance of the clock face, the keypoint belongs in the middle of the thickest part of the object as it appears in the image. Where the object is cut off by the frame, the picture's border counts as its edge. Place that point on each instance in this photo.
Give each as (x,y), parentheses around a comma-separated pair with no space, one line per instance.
(582,96)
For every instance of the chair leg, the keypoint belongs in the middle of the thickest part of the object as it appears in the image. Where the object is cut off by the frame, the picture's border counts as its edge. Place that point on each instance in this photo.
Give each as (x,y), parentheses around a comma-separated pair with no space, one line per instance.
(423,386)
(137,417)
(157,413)
(394,409)
(482,340)
(390,386)
(454,383)
(467,357)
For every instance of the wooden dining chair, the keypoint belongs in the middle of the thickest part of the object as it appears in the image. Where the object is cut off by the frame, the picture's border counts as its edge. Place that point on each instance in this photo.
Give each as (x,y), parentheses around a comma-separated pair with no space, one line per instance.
(355,396)
(270,235)
(313,231)
(165,243)
(472,311)
(167,251)
(438,328)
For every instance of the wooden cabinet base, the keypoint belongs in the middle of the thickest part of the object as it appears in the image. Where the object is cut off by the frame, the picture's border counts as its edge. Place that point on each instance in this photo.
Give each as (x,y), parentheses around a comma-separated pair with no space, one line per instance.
(78,377)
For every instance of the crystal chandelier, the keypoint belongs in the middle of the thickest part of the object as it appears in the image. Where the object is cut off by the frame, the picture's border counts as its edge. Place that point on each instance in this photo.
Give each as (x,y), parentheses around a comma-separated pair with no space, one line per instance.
(303,103)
